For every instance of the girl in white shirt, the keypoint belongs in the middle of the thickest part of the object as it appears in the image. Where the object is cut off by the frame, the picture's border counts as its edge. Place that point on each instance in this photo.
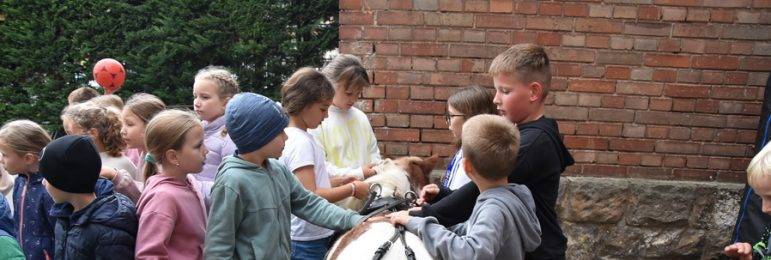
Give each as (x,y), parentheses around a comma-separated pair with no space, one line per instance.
(306,96)
(346,135)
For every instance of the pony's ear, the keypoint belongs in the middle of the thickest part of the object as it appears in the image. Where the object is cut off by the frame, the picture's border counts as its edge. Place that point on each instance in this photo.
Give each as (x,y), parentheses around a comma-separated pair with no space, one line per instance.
(427,164)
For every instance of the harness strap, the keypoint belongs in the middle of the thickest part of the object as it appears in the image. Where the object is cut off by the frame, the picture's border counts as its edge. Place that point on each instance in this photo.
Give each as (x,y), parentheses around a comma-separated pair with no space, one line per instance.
(383,249)
(407,250)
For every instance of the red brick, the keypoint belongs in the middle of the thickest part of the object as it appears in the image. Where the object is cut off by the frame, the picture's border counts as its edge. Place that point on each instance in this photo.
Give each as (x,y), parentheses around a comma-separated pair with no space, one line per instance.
(400,4)
(476,6)
(595,86)
(619,57)
(722,15)
(548,39)
(725,150)
(683,105)
(651,160)
(565,54)
(665,75)
(736,78)
(505,21)
(716,62)
(696,30)
(656,132)
(399,18)
(435,136)
(450,5)
(421,107)
(550,9)
(660,104)
(712,77)
(350,4)
(611,115)
(721,3)
(396,120)
(649,12)
(657,29)
(631,145)
(350,32)
(633,102)
(353,18)
(523,37)
(581,142)
(398,149)
(669,45)
(597,41)
(737,93)
(686,91)
(387,48)
(677,147)
(649,173)
(614,72)
(455,79)
(625,12)
(706,106)
(673,161)
(501,6)
(639,88)
(689,76)
(695,175)
(421,121)
(527,8)
(397,134)
(566,69)
(613,102)
(376,120)
(697,15)
(674,14)
(375,33)
(629,159)
(420,149)
(661,118)
(549,23)
(667,60)
(423,49)
(755,63)
(579,10)
(598,25)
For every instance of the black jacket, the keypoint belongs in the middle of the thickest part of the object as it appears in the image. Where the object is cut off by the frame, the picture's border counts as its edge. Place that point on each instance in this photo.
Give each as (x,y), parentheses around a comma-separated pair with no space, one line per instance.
(105,229)
(542,159)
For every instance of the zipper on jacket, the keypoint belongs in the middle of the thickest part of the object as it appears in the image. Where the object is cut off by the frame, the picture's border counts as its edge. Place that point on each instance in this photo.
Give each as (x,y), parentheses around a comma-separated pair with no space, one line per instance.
(21,211)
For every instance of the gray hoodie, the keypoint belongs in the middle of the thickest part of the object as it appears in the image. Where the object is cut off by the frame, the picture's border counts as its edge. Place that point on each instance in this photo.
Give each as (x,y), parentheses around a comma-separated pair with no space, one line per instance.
(503,225)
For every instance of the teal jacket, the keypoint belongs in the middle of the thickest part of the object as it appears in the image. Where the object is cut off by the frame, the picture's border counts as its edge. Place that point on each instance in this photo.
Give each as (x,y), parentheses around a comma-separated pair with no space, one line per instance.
(251,208)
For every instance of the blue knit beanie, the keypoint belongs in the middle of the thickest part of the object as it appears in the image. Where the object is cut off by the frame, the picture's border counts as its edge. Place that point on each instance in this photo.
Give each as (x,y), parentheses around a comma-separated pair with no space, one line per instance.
(253,120)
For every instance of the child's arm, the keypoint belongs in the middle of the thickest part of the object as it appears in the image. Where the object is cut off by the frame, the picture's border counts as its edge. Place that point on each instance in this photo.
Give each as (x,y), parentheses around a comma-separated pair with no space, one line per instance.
(155,229)
(307,177)
(482,240)
(122,182)
(453,209)
(225,215)
(114,244)
(316,210)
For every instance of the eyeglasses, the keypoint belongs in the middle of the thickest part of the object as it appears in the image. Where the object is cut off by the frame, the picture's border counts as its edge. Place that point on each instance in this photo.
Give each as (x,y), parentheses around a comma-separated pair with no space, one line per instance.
(447,117)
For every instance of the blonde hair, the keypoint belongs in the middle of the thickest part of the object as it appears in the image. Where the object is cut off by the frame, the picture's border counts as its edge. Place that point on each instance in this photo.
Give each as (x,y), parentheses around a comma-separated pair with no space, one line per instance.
(304,88)
(491,144)
(82,94)
(106,122)
(24,136)
(166,131)
(528,62)
(144,106)
(760,166)
(346,71)
(226,81)
(111,100)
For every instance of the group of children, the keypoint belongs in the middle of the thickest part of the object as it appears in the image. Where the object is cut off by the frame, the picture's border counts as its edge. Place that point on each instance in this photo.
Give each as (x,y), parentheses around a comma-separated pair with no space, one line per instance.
(247,177)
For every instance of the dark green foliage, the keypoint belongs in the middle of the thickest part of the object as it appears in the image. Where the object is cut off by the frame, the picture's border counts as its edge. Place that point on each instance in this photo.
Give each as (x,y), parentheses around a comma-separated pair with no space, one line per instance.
(48,48)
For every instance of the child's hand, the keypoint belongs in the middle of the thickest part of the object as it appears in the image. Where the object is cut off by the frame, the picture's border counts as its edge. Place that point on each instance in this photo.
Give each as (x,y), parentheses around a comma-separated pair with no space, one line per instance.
(427,193)
(401,217)
(108,173)
(362,190)
(742,251)
(368,171)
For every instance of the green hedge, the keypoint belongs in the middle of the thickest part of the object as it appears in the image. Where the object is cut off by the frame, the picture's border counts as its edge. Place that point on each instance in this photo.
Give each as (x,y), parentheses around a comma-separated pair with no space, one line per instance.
(48,48)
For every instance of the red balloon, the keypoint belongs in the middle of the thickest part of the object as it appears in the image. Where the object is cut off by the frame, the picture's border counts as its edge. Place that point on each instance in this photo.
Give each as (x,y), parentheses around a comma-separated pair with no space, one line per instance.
(109,74)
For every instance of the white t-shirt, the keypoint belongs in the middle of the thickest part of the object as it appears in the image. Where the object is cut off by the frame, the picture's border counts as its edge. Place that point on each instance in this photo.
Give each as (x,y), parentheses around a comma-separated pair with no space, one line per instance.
(121,162)
(302,150)
(456,177)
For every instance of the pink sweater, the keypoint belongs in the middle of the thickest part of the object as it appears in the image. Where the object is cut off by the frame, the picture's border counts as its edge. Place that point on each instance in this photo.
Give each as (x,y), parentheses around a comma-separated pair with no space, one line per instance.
(172,219)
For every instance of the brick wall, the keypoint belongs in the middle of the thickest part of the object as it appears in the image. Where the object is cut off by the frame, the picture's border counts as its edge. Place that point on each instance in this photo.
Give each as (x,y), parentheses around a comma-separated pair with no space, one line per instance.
(661,89)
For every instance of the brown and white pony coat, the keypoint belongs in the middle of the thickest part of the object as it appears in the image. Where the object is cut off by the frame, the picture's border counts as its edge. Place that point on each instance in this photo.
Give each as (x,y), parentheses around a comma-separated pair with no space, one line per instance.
(395,177)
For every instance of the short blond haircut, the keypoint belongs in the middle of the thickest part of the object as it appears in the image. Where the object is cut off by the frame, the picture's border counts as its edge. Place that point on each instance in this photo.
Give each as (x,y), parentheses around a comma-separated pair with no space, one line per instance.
(107,101)
(24,136)
(760,166)
(491,144)
(527,62)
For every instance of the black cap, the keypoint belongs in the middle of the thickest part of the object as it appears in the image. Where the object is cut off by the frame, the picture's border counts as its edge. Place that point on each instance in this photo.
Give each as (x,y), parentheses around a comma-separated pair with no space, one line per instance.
(71,164)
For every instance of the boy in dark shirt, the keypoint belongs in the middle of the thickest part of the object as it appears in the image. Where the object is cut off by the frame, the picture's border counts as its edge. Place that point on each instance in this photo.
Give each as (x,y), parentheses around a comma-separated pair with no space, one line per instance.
(522,78)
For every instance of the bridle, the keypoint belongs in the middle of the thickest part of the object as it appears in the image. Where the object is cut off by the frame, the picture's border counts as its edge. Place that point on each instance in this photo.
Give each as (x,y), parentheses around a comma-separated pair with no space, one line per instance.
(376,204)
